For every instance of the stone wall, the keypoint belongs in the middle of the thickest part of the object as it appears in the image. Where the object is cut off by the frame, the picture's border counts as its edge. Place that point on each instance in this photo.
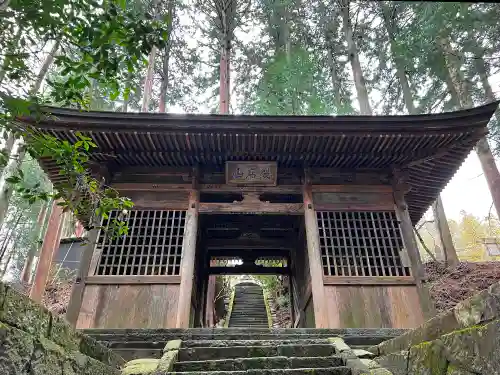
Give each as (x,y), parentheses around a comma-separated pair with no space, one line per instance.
(35,342)
(462,341)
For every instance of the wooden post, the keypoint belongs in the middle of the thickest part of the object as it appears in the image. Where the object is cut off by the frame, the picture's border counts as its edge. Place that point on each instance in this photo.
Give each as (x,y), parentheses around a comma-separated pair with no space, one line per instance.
(50,245)
(76,299)
(188,260)
(314,255)
(449,254)
(210,297)
(413,253)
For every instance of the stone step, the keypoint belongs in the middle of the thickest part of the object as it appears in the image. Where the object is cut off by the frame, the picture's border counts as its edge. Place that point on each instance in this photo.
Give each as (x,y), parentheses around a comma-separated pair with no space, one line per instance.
(340,370)
(240,364)
(213,353)
(232,343)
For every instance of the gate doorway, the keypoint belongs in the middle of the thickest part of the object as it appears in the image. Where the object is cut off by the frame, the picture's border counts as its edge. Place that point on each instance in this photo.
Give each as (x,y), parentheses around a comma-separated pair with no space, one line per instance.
(247,244)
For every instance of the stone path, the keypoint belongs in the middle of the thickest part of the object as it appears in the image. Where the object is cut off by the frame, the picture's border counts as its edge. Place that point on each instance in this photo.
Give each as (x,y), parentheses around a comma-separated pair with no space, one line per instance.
(249,308)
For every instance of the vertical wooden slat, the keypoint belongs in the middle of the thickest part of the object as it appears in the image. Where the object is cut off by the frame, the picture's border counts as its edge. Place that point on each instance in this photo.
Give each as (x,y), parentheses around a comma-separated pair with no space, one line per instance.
(413,253)
(75,302)
(188,260)
(349,215)
(314,255)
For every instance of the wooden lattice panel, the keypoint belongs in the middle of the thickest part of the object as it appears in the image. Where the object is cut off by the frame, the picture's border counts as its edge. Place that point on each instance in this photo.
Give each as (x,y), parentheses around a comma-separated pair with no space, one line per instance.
(360,244)
(153,245)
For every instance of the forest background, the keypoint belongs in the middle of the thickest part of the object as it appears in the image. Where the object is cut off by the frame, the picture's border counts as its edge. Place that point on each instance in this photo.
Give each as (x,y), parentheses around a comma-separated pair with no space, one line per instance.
(271,57)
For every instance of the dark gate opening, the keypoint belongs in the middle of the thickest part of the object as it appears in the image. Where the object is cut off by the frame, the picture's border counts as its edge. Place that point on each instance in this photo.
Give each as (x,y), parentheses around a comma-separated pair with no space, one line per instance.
(243,244)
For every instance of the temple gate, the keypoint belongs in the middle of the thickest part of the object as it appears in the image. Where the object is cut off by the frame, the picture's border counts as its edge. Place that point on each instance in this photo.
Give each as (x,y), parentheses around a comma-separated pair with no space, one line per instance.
(333,199)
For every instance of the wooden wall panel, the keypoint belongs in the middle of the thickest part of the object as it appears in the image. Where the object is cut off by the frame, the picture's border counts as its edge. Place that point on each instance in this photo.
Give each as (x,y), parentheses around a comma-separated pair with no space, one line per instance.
(373,306)
(158,200)
(146,306)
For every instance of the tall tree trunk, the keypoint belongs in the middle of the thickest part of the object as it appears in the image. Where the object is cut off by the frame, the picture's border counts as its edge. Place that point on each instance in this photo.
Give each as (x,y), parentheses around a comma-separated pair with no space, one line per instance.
(482,71)
(398,62)
(449,251)
(224,84)
(359,80)
(148,81)
(166,58)
(464,99)
(28,263)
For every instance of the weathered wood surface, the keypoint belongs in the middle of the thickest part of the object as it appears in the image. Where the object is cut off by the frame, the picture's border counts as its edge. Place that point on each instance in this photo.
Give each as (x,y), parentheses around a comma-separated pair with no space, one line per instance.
(88,263)
(130,280)
(252,207)
(188,261)
(353,201)
(49,247)
(413,253)
(129,306)
(373,306)
(314,256)
(158,200)
(362,280)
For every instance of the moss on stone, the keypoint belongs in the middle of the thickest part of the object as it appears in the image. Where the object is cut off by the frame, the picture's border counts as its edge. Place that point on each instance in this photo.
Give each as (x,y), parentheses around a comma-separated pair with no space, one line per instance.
(142,366)
(229,309)
(268,308)
(173,345)
(63,334)
(21,312)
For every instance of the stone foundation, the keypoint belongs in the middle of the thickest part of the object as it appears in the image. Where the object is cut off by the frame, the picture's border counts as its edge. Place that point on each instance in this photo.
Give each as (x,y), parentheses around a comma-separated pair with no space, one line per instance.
(33,341)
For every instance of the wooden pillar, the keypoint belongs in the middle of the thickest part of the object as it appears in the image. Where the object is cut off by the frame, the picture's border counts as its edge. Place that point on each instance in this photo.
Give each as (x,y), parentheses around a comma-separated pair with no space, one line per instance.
(188,261)
(413,252)
(448,253)
(210,297)
(75,302)
(314,255)
(50,245)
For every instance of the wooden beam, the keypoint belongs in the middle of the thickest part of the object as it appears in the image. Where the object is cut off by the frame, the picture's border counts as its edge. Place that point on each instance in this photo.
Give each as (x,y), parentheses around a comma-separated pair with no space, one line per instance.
(254,208)
(351,188)
(411,246)
(243,270)
(75,302)
(131,280)
(314,255)
(377,280)
(49,248)
(188,260)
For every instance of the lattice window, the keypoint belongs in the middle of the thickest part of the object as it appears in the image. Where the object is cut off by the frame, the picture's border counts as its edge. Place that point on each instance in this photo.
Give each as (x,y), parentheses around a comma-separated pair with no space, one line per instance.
(360,244)
(153,245)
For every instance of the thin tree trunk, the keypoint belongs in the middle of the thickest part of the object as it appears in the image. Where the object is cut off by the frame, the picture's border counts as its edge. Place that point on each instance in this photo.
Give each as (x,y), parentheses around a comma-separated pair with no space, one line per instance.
(359,80)
(481,70)
(464,100)
(45,68)
(28,263)
(5,242)
(6,189)
(166,59)
(148,81)
(7,262)
(449,252)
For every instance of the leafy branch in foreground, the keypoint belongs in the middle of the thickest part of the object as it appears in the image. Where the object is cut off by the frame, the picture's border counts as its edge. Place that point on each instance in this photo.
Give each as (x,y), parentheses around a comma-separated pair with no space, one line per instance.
(99,43)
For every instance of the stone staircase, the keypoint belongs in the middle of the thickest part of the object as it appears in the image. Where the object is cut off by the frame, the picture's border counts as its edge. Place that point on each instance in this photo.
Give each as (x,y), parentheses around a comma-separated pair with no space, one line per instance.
(249,308)
(259,351)
(255,351)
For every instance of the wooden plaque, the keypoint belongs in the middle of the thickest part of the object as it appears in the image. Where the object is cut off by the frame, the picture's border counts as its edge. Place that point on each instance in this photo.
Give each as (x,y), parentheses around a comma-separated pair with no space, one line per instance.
(251,173)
